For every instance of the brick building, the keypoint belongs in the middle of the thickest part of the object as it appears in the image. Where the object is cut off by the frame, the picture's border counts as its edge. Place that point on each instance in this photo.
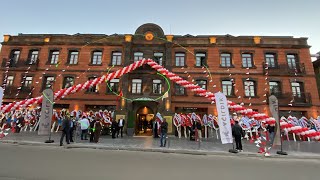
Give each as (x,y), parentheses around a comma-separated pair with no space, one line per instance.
(246,68)
(316,66)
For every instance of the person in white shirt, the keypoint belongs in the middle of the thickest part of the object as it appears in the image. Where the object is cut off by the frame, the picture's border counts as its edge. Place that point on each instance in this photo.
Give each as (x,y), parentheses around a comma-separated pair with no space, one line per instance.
(84,124)
(121,125)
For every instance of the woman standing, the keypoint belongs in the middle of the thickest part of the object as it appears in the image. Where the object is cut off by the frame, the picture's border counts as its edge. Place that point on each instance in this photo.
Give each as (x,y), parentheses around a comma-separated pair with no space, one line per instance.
(97,128)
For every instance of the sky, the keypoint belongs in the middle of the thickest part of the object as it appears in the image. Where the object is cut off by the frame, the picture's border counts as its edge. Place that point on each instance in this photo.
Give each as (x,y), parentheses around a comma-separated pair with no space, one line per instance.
(298,18)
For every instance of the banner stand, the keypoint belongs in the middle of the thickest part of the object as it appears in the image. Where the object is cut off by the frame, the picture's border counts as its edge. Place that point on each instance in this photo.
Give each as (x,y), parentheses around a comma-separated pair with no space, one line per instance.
(49,140)
(274,109)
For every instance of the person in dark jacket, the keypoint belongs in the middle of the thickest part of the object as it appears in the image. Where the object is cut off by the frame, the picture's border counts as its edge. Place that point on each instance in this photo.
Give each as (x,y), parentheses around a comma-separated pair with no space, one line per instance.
(91,130)
(237,133)
(114,128)
(164,131)
(65,130)
(97,130)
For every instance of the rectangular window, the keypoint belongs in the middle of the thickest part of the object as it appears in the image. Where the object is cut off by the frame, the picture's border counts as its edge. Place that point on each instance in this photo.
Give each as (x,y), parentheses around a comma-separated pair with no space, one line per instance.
(15,54)
(296,89)
(202,83)
(225,60)
(28,81)
(113,86)
(68,82)
(73,57)
(179,90)
(33,56)
(247,60)
(158,58)
(96,58)
(274,88)
(116,58)
(200,59)
(49,80)
(292,61)
(180,58)
(271,60)
(249,88)
(137,56)
(136,86)
(93,89)
(156,87)
(227,88)
(9,80)
(54,57)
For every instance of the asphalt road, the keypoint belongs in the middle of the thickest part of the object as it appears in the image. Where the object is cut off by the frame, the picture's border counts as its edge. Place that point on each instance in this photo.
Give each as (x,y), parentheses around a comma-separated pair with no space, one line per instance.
(54,163)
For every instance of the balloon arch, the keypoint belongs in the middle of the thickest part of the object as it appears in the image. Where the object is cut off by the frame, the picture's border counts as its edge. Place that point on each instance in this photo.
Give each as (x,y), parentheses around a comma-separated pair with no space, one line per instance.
(299,130)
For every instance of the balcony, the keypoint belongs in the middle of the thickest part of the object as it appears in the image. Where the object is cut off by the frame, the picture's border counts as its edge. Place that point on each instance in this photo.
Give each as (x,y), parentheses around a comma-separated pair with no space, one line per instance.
(11,92)
(298,100)
(284,69)
(21,64)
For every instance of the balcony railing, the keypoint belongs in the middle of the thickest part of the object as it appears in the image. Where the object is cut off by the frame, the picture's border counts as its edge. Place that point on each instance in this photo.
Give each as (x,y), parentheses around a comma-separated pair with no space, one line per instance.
(20,64)
(284,69)
(289,99)
(11,92)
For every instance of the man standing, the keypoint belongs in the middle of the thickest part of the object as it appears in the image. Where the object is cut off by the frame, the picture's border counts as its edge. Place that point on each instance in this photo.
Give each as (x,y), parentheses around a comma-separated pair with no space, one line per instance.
(114,127)
(72,127)
(65,130)
(237,133)
(164,131)
(84,125)
(199,130)
(121,125)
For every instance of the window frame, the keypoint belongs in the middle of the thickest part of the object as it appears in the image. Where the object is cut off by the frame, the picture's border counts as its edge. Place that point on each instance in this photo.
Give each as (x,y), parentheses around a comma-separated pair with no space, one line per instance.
(279,88)
(296,64)
(203,62)
(180,57)
(45,80)
(230,59)
(31,57)
(232,93)
(275,60)
(64,81)
(246,58)
(12,82)
(29,84)
(116,83)
(157,84)
(136,87)
(156,58)
(55,56)
(71,57)
(138,55)
(115,58)
(94,89)
(95,60)
(254,88)
(301,89)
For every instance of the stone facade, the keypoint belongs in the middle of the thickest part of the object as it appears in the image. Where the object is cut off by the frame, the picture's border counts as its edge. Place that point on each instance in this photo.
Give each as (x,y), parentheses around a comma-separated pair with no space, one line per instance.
(150,39)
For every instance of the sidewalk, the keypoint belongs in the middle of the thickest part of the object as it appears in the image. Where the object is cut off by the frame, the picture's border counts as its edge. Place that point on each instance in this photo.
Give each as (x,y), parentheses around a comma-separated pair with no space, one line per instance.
(211,146)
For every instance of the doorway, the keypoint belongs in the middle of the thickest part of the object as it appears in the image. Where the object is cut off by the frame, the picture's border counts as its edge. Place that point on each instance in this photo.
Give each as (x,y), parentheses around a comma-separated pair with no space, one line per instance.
(144,121)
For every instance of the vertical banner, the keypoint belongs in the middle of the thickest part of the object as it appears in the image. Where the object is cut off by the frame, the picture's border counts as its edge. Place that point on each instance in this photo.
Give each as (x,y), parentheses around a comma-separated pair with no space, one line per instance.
(223,118)
(274,109)
(46,112)
(1,96)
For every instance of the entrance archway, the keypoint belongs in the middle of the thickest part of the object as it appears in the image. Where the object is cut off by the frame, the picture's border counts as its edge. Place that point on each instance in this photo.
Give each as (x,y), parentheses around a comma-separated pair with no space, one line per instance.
(144,119)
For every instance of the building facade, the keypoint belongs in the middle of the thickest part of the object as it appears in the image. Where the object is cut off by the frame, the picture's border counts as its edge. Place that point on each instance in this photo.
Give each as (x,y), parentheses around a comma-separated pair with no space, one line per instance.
(246,68)
(316,66)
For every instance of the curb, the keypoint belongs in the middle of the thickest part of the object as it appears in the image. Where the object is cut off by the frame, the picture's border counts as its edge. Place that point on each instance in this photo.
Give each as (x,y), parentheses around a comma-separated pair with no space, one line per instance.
(162,150)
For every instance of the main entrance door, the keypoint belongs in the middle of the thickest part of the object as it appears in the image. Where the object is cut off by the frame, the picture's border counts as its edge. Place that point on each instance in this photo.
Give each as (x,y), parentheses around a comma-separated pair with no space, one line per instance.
(144,117)
(144,120)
